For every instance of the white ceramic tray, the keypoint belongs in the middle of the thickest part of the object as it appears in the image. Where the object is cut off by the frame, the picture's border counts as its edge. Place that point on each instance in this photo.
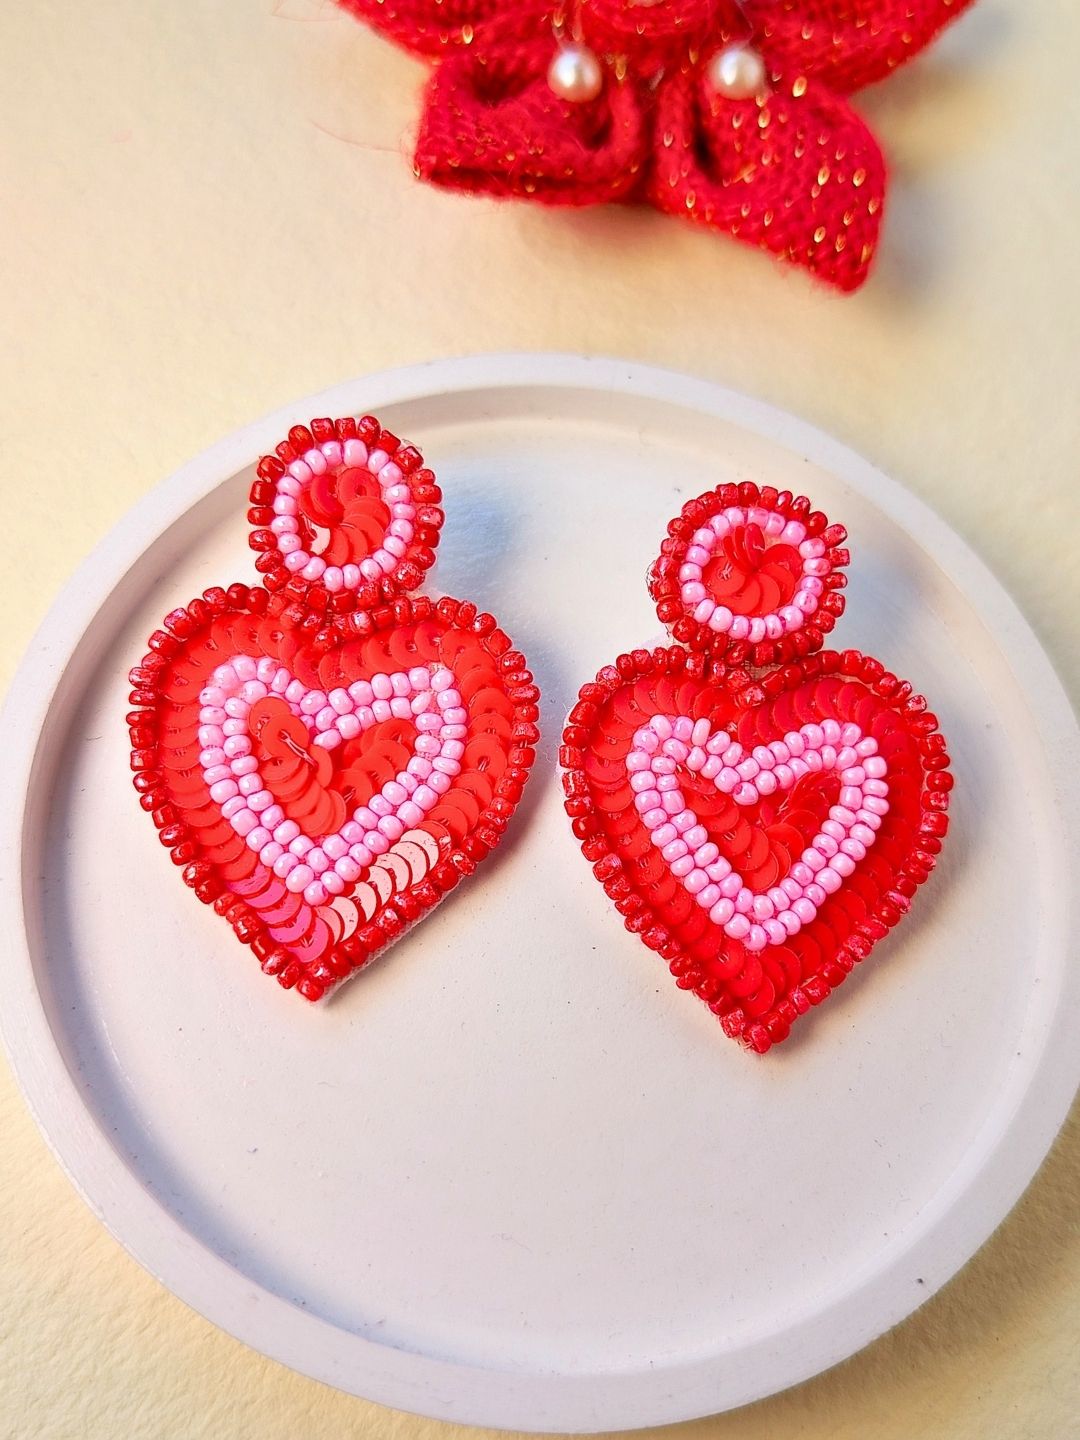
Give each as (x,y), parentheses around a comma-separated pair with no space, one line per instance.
(512,1175)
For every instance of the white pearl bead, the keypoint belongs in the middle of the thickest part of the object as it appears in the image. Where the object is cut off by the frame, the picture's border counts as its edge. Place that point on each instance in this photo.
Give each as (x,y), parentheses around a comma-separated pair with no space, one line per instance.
(737,73)
(576,74)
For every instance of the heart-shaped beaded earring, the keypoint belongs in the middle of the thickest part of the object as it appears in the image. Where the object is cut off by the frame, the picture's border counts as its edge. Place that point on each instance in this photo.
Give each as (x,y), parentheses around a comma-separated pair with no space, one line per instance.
(761,810)
(327,754)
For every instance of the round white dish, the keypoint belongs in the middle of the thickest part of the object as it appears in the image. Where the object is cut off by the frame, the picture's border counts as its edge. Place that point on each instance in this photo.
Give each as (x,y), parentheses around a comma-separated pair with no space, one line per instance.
(512,1176)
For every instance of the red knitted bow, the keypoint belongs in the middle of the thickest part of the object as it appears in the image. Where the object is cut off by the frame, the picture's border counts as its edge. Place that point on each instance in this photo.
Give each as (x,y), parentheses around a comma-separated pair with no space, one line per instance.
(794,170)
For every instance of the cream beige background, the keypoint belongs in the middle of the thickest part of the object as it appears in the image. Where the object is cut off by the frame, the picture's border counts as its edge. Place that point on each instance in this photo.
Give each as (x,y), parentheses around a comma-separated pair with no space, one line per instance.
(208,213)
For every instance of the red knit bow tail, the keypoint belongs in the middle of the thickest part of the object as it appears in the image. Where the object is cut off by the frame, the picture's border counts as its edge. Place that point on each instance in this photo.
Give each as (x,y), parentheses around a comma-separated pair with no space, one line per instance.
(437,27)
(493,126)
(797,173)
(846,44)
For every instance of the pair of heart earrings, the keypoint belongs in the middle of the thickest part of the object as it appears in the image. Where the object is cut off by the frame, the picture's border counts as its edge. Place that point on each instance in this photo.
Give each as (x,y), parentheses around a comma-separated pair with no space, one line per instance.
(327,754)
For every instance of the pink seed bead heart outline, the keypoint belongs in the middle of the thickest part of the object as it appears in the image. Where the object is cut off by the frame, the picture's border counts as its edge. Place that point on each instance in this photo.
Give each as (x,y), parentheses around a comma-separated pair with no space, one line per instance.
(769,917)
(321,868)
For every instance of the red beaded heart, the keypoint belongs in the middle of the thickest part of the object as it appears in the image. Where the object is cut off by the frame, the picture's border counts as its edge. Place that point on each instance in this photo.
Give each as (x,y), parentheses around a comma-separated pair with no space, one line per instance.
(760,825)
(325,771)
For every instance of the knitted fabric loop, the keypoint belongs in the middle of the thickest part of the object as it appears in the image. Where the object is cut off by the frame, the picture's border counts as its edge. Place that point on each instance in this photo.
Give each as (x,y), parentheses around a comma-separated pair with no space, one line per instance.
(493,124)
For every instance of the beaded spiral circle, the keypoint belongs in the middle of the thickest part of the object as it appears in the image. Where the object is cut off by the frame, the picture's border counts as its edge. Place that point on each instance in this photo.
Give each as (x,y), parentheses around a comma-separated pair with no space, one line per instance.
(760,810)
(326,756)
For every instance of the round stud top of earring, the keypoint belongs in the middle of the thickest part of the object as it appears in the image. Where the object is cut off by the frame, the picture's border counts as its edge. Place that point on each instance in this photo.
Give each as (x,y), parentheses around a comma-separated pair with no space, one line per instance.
(345,505)
(575,74)
(737,73)
(751,572)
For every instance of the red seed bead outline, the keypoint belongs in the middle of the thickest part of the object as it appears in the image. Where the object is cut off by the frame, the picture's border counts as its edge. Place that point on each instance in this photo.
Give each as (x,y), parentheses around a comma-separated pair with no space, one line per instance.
(321,633)
(666,590)
(419,555)
(759,1032)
